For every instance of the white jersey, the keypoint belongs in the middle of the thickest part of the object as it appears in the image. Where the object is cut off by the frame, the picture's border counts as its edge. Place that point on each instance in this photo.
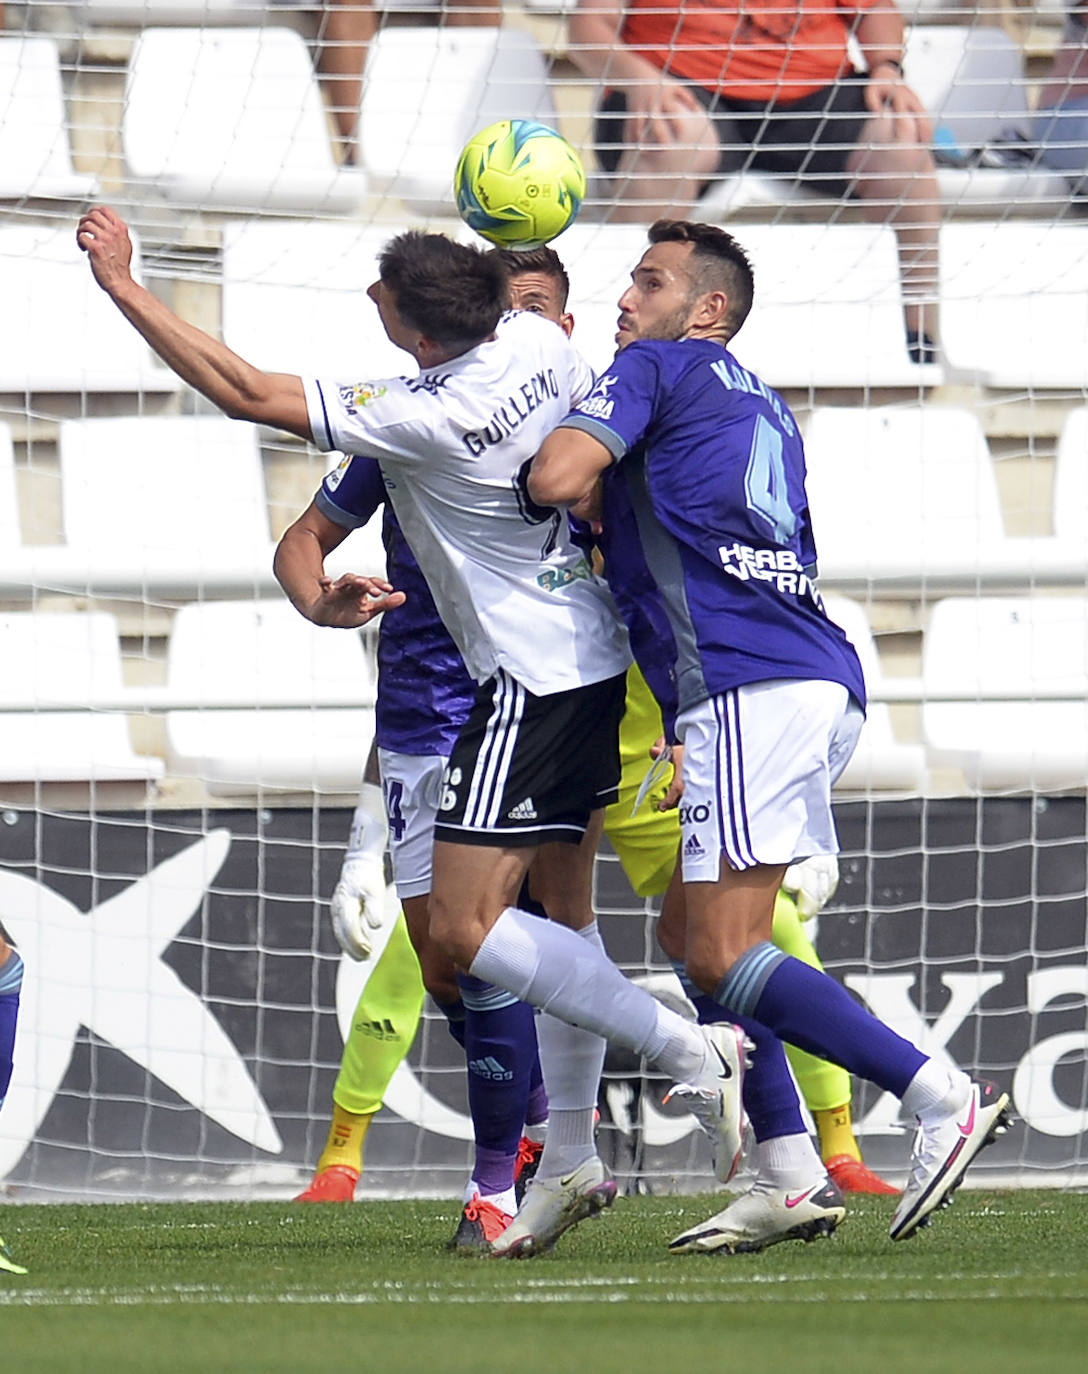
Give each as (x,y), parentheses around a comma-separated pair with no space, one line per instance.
(513,589)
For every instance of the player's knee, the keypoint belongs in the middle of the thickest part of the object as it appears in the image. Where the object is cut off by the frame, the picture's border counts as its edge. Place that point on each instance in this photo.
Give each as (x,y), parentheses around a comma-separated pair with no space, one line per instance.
(455,932)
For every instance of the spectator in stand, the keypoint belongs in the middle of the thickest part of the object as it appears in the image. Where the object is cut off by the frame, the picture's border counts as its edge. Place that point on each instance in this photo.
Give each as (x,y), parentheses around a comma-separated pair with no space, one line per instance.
(1061,120)
(345,28)
(692,91)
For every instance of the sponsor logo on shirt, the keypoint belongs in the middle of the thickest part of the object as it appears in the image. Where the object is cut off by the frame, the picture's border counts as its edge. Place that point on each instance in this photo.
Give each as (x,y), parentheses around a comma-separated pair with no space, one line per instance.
(359,394)
(532,393)
(777,566)
(597,404)
(554,578)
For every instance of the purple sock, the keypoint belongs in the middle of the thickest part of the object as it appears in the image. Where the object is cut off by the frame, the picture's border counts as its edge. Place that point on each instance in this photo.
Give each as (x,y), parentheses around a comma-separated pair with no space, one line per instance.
(537,1110)
(11,981)
(770,1094)
(454,1012)
(500,1048)
(810,1010)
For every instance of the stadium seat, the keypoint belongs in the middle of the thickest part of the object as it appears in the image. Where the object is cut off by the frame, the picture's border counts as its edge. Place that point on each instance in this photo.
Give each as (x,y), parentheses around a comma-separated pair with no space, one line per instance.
(1022,646)
(1070,498)
(35,157)
(971,79)
(294,299)
(10,529)
(146,14)
(897,492)
(880,761)
(232,119)
(829,304)
(427,91)
(166,492)
(256,648)
(58,656)
(60,331)
(1014,303)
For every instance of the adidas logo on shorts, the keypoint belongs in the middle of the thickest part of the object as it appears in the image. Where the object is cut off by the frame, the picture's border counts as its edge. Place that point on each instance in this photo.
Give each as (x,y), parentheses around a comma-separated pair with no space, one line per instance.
(524,811)
(693,848)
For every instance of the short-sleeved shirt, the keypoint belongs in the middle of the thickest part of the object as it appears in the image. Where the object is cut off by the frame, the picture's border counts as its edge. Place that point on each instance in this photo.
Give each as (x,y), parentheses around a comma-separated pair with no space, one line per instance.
(747,49)
(424,691)
(706,523)
(512,587)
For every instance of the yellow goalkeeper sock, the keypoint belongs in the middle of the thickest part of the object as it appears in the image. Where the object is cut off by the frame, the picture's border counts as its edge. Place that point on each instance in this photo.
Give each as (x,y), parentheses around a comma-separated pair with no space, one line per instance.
(836,1132)
(345,1143)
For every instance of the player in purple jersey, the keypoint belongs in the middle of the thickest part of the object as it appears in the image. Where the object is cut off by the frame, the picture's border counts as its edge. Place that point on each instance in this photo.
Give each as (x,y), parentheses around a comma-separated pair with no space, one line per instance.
(537,760)
(707,528)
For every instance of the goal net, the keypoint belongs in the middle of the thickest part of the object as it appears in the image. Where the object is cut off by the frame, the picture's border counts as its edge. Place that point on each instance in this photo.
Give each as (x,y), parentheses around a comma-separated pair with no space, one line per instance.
(179,754)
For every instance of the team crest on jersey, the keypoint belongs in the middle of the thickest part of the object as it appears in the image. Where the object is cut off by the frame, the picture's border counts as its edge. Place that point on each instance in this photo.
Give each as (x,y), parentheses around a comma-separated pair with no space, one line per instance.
(334,478)
(360,394)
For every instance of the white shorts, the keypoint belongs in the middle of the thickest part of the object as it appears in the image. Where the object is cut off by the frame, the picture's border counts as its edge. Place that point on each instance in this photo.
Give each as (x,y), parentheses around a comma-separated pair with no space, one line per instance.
(759,762)
(412,787)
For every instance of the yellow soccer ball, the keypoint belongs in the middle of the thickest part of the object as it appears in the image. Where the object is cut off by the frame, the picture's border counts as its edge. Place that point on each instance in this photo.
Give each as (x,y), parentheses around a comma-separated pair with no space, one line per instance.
(518,183)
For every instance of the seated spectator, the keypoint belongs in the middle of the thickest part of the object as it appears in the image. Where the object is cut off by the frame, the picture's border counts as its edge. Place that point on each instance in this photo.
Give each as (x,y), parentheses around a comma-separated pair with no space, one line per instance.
(1061,119)
(692,91)
(345,28)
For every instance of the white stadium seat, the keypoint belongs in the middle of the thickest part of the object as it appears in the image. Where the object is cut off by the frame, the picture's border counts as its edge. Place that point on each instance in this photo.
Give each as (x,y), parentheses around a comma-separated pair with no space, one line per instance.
(1014,302)
(60,331)
(1018,645)
(232,119)
(10,529)
(55,656)
(880,762)
(294,299)
(427,91)
(895,489)
(1070,499)
(35,157)
(165,491)
(828,307)
(971,80)
(259,647)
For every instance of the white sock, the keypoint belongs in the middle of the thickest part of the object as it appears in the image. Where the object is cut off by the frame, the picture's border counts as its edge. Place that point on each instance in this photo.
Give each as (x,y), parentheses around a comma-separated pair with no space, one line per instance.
(788,1161)
(504,1201)
(571,1060)
(551,967)
(936,1091)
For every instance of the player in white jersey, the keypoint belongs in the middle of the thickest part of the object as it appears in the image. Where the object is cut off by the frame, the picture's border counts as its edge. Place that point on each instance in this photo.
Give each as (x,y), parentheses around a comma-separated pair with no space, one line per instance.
(537,760)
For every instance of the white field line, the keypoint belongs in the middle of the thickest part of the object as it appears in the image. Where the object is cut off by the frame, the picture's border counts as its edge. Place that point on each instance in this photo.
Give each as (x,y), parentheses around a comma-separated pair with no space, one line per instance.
(693,1290)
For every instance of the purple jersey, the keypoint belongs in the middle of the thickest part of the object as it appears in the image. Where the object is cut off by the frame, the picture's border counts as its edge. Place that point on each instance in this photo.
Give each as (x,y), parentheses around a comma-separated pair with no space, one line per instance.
(708,545)
(424,690)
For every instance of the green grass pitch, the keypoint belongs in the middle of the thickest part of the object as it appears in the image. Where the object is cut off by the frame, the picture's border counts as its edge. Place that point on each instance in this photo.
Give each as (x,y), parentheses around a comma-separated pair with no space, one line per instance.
(998,1282)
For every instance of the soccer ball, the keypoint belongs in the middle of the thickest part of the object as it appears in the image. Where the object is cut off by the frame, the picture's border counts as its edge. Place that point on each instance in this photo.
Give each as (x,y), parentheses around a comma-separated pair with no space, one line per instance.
(518,183)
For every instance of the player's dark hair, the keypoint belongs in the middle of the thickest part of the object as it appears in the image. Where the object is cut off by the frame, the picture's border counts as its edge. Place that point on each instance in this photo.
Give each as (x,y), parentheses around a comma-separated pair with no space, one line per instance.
(541,259)
(453,292)
(718,261)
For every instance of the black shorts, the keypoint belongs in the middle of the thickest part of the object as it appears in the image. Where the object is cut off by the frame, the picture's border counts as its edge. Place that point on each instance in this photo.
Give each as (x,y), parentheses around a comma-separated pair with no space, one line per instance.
(809,139)
(529,770)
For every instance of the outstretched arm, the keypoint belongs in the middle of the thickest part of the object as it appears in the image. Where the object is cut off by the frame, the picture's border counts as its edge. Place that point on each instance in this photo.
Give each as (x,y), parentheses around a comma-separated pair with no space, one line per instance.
(299,565)
(240,390)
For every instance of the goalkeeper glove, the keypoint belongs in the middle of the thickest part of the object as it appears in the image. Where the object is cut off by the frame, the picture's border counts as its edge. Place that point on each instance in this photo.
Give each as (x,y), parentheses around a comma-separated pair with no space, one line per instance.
(358,904)
(812,883)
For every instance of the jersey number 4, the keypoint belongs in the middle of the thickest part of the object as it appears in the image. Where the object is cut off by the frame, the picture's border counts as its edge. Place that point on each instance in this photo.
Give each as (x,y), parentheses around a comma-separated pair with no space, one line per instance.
(765,482)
